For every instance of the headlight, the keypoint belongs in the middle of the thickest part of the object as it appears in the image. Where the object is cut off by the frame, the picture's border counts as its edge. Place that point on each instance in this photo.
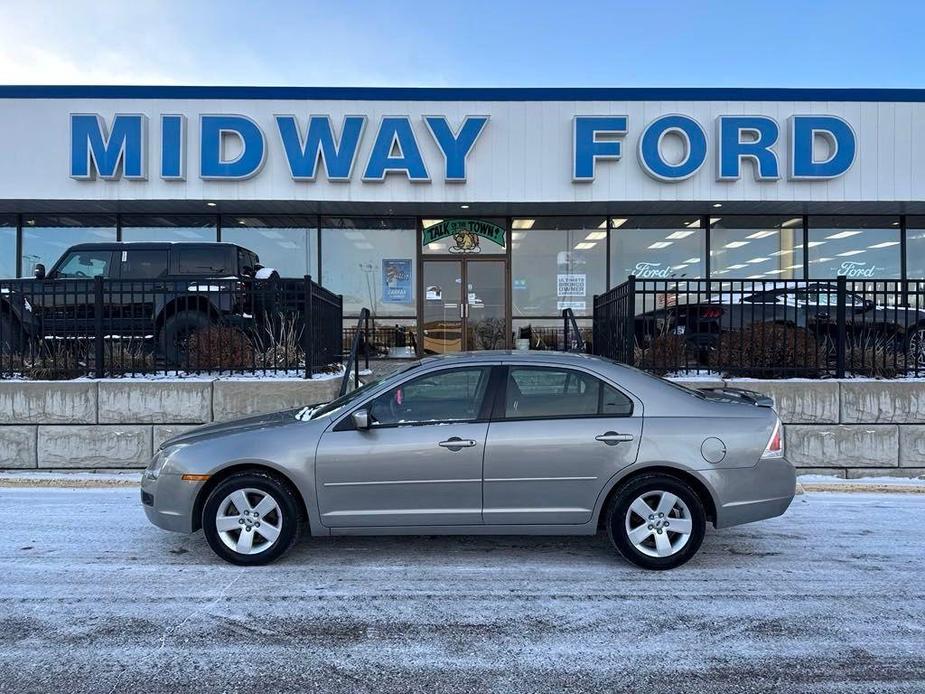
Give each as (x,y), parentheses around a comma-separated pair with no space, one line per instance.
(154,467)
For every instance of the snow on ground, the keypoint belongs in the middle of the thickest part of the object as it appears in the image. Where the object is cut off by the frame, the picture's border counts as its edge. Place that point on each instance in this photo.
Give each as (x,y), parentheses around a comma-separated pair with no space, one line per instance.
(829,597)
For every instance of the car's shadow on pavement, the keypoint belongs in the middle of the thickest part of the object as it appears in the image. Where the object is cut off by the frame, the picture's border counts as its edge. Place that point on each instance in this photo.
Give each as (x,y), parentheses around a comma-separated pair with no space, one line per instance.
(459,551)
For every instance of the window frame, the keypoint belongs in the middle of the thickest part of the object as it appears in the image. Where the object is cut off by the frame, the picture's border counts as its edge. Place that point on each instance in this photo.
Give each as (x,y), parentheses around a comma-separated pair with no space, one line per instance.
(498,411)
(484,409)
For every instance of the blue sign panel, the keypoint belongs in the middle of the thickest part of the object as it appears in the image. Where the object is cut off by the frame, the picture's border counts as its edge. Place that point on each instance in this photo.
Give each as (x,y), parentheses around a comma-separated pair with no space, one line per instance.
(396,281)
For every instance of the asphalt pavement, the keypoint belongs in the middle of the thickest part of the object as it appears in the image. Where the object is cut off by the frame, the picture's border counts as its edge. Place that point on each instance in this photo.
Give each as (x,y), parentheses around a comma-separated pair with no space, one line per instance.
(830,597)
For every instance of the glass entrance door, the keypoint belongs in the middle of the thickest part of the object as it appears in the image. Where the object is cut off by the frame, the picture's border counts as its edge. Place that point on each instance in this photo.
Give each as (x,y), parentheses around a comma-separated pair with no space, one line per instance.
(465,305)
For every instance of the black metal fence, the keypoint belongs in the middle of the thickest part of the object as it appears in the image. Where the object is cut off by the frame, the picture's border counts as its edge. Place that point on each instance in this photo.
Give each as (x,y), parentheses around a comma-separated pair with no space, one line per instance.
(66,328)
(765,328)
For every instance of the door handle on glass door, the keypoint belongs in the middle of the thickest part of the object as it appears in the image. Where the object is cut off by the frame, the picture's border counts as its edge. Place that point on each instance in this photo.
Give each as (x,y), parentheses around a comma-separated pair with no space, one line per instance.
(612,437)
(454,443)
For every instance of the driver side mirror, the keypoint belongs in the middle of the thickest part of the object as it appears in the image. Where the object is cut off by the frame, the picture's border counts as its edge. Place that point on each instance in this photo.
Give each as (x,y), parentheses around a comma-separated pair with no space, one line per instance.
(39,271)
(361,419)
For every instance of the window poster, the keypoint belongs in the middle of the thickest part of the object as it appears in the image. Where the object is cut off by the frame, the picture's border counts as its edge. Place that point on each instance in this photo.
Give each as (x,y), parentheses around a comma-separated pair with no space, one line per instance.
(396,281)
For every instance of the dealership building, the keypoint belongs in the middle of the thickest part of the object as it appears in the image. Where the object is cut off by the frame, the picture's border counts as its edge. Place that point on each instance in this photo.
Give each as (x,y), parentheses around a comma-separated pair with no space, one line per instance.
(470,214)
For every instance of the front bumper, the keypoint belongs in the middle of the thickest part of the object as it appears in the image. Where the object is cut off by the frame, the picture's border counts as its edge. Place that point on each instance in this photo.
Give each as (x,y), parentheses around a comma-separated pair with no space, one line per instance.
(168,501)
(744,495)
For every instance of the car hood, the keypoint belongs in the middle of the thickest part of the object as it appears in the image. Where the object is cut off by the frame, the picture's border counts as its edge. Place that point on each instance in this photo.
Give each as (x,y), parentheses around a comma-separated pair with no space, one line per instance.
(261,421)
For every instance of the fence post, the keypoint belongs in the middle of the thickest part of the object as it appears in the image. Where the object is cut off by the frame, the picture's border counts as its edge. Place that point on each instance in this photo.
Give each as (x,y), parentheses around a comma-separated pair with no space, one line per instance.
(629,325)
(840,298)
(308,341)
(366,340)
(98,325)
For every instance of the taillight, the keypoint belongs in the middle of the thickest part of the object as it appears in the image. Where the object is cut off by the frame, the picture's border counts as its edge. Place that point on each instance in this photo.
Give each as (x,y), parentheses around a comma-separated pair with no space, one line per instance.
(775,447)
(711,312)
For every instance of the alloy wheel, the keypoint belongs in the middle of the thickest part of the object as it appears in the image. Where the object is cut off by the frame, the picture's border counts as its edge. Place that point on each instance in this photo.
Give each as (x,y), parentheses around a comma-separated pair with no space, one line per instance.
(658,523)
(249,521)
(917,347)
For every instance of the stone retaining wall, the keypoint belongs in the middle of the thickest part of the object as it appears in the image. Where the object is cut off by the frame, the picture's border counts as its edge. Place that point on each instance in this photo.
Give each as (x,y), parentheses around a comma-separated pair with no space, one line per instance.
(850,428)
(119,423)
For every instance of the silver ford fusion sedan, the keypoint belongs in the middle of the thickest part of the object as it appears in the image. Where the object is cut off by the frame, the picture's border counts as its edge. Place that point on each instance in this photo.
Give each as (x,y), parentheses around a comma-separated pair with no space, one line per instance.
(484,443)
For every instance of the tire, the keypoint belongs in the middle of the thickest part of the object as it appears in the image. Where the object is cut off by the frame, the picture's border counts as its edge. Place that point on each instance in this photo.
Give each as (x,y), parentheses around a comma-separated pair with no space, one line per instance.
(259,490)
(10,338)
(649,550)
(915,346)
(176,330)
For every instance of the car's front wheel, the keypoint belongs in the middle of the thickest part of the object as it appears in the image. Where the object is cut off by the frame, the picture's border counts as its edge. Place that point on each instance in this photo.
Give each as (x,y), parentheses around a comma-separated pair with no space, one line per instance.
(656,521)
(251,518)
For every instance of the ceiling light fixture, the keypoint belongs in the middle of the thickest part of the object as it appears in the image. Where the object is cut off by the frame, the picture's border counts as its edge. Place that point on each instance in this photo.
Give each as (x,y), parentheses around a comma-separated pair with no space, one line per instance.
(210,204)
(617,222)
(736,244)
(717,204)
(584,246)
(596,236)
(679,234)
(465,207)
(523,223)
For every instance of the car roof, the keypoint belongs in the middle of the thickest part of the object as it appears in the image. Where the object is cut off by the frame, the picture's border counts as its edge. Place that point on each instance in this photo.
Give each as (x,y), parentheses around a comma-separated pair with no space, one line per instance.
(518,356)
(150,245)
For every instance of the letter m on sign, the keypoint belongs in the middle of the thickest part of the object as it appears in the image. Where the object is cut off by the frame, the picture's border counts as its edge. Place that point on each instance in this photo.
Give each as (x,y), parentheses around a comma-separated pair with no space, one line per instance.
(109,152)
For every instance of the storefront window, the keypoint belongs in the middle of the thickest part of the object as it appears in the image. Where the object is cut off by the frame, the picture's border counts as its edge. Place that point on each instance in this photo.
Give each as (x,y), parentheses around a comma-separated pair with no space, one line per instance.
(557,263)
(46,237)
(371,261)
(757,247)
(189,228)
(462,236)
(857,247)
(7,247)
(657,247)
(289,244)
(915,247)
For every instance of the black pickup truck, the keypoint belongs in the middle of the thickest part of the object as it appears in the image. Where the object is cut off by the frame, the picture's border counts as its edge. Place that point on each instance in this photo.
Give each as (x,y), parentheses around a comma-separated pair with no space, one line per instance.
(160,292)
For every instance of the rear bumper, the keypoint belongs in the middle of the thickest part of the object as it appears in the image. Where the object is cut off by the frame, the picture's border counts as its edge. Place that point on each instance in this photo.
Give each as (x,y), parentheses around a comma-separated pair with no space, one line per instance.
(168,502)
(744,495)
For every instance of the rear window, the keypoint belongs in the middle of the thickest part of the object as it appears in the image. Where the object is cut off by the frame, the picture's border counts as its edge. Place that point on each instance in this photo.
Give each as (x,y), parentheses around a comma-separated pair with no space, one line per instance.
(549,392)
(203,261)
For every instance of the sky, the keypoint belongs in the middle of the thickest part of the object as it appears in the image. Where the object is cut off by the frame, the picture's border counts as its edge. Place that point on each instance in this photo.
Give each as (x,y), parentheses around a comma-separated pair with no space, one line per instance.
(466,43)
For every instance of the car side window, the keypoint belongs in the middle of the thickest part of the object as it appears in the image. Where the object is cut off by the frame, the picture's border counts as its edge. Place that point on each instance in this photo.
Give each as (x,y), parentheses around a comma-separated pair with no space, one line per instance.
(202,261)
(446,396)
(143,265)
(84,264)
(549,392)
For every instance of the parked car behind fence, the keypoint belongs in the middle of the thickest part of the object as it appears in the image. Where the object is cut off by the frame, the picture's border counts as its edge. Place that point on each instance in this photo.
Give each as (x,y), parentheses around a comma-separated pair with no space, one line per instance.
(116,309)
(769,328)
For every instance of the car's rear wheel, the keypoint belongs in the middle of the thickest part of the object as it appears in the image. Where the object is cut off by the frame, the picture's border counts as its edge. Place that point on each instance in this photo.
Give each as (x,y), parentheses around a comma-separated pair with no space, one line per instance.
(656,521)
(915,347)
(251,518)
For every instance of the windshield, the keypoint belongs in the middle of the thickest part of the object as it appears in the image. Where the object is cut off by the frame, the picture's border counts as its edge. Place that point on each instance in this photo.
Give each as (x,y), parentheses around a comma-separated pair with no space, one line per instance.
(345,400)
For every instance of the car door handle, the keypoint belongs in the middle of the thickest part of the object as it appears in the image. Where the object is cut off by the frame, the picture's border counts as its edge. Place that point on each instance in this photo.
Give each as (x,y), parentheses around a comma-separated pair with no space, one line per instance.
(454,443)
(612,437)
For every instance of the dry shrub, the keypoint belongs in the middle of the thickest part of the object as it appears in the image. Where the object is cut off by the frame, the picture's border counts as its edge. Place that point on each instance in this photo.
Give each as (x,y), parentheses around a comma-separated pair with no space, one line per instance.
(57,360)
(278,344)
(877,356)
(218,347)
(663,354)
(127,356)
(769,350)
